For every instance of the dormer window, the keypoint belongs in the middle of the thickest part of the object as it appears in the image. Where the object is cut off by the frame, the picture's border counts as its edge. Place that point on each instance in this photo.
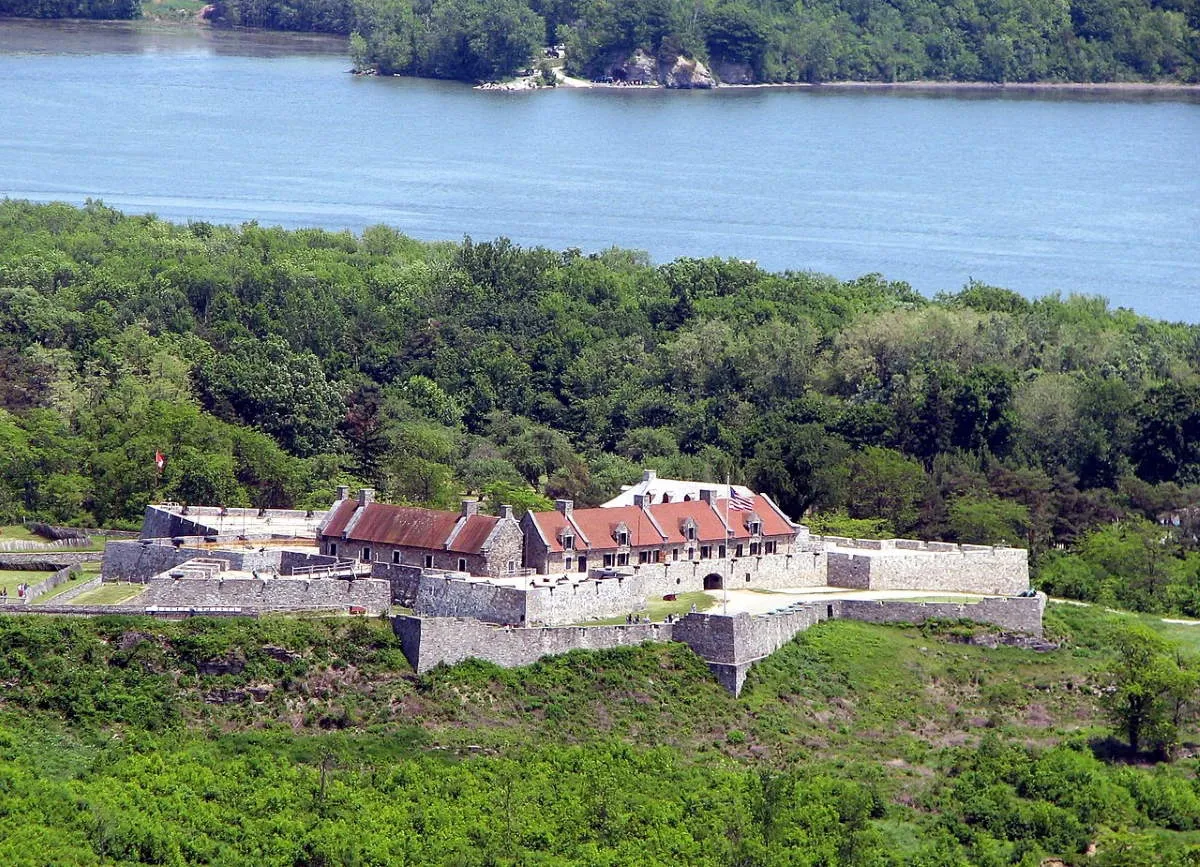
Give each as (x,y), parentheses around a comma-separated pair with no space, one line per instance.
(622,538)
(689,530)
(568,541)
(754,525)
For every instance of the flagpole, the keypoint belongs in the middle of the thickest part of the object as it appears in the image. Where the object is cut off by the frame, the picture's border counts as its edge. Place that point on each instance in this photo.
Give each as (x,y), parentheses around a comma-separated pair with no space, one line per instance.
(729,560)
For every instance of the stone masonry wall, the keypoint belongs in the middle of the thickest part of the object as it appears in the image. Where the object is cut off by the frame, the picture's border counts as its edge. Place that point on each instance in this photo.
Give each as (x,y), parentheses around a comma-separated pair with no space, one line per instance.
(135,561)
(589,599)
(45,561)
(269,594)
(430,641)
(800,569)
(998,571)
(441,595)
(404,580)
(1017,614)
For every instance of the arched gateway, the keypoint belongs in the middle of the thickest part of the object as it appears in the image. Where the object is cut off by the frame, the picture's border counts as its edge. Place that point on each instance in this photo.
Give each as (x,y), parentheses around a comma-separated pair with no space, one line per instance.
(713,581)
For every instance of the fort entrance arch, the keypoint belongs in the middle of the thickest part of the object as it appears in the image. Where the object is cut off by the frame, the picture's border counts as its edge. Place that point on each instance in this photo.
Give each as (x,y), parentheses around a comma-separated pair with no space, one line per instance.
(713,581)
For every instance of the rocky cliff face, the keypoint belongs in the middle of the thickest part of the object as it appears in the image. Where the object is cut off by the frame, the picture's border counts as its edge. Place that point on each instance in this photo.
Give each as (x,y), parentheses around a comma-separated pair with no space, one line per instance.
(734,73)
(642,68)
(685,73)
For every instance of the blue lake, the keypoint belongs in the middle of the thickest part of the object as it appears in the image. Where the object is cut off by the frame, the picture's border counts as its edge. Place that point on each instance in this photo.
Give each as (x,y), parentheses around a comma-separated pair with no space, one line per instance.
(1074,193)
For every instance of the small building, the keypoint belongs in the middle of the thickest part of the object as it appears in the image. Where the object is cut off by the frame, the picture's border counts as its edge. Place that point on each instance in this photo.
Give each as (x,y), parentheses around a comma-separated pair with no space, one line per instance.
(706,528)
(463,541)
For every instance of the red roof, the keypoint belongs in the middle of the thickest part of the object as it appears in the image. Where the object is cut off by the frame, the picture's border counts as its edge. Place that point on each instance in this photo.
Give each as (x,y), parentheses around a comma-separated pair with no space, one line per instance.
(659,524)
(409,527)
(773,521)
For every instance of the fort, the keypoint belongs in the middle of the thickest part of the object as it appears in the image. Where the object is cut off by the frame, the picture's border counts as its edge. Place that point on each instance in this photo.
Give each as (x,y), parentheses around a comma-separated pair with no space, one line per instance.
(463,584)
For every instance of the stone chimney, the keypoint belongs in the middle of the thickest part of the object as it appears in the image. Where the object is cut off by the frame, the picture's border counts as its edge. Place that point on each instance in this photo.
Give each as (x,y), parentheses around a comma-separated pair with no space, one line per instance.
(506,513)
(343,492)
(469,508)
(649,475)
(708,495)
(366,496)
(564,506)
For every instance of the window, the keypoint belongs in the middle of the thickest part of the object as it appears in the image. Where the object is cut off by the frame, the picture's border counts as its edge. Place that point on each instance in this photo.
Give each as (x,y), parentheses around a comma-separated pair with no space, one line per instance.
(770,546)
(643,556)
(754,548)
(568,542)
(366,555)
(512,566)
(623,538)
(622,559)
(428,561)
(333,549)
(568,562)
(462,564)
(721,551)
(395,556)
(705,552)
(755,528)
(674,553)
(691,552)
(738,551)
(583,564)
(690,532)
(608,560)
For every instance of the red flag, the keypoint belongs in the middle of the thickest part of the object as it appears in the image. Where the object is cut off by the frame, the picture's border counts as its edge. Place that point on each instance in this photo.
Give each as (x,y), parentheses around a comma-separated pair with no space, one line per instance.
(160,461)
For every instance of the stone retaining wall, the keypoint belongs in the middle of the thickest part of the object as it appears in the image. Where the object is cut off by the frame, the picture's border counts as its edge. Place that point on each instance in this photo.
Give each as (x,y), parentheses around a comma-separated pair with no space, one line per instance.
(728,644)
(138,561)
(431,641)
(268,594)
(966,569)
(49,561)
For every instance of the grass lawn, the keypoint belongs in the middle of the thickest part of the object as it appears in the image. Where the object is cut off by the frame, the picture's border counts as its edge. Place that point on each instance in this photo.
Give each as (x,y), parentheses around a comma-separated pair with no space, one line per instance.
(18,533)
(658,609)
(109,594)
(10,578)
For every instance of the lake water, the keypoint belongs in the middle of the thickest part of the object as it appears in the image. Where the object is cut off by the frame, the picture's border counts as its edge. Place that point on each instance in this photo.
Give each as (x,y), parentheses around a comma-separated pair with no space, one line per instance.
(1086,194)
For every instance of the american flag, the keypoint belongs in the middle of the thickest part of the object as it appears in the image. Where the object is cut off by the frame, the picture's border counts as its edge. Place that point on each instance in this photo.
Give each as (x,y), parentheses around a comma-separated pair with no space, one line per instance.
(740,502)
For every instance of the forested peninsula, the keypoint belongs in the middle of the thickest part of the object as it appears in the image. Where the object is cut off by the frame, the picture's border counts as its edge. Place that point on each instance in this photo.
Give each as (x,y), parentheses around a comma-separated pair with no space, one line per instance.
(732,41)
(270,366)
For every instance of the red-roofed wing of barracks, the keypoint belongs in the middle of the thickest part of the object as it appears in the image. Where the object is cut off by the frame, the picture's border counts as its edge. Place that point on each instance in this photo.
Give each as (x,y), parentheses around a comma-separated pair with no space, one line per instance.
(464,541)
(576,540)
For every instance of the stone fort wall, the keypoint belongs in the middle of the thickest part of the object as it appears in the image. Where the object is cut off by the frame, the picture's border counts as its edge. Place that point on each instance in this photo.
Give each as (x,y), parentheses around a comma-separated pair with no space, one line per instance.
(137,561)
(268,594)
(729,644)
(904,564)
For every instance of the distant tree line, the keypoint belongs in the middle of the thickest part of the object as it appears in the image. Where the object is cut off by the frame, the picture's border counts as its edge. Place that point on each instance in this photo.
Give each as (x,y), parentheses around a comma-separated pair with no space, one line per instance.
(1009,40)
(99,9)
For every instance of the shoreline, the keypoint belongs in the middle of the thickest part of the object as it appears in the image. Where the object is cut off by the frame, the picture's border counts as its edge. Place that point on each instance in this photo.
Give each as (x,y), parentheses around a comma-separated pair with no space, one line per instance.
(525,85)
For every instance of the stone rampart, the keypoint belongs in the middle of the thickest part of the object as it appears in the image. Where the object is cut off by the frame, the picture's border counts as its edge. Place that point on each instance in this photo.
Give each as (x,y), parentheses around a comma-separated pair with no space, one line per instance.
(268,594)
(589,599)
(431,641)
(140,560)
(1013,613)
(454,594)
(899,564)
(767,571)
(405,581)
(49,561)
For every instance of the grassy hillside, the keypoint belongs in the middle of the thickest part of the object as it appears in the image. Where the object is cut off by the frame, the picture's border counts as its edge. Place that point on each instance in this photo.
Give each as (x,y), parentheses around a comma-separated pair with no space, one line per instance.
(287,741)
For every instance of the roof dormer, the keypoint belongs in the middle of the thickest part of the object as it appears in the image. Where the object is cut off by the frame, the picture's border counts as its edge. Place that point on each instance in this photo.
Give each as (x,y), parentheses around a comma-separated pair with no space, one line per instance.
(621,534)
(754,524)
(687,528)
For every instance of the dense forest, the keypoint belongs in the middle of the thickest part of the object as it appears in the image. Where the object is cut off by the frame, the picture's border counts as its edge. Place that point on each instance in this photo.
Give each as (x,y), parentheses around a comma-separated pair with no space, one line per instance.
(762,40)
(293,742)
(269,366)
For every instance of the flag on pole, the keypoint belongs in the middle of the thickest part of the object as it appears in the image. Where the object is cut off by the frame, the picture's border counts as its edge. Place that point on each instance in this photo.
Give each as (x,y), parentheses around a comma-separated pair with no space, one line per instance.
(160,461)
(740,502)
